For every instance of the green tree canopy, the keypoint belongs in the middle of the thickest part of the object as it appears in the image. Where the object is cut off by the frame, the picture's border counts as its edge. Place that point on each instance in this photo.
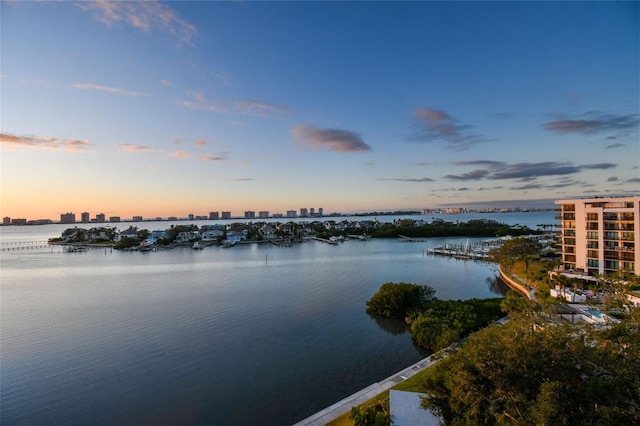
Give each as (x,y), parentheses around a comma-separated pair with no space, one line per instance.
(549,374)
(398,300)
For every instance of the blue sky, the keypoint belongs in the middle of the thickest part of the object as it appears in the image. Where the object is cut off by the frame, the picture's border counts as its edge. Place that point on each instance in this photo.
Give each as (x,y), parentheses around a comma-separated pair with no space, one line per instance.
(169,108)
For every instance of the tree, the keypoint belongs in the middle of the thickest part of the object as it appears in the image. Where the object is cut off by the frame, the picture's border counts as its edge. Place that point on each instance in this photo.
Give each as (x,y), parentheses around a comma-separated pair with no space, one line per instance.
(516,249)
(398,300)
(377,415)
(548,375)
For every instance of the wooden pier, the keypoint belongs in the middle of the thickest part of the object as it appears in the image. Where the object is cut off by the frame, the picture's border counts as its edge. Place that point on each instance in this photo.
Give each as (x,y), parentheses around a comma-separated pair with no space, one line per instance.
(23,245)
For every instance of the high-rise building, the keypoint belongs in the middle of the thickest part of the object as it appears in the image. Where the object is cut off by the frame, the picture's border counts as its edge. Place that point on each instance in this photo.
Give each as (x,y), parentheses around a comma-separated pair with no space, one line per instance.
(100,218)
(320,211)
(6,220)
(214,215)
(249,214)
(84,217)
(68,218)
(600,235)
(291,213)
(226,215)
(263,214)
(304,212)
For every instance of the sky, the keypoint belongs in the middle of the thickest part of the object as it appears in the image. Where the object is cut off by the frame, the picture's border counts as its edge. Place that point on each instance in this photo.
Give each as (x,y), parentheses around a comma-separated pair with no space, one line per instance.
(160,109)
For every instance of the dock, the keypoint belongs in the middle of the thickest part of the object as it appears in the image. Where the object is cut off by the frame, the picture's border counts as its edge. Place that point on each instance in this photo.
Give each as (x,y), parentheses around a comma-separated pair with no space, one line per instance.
(405,239)
(23,245)
(335,243)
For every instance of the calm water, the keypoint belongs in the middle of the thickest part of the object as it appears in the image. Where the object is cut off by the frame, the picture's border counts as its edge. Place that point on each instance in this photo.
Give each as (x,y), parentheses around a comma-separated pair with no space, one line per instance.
(253,334)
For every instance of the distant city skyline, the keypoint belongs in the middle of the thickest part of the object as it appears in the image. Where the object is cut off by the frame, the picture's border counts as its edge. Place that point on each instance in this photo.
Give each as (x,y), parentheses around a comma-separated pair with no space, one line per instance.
(155,108)
(302,213)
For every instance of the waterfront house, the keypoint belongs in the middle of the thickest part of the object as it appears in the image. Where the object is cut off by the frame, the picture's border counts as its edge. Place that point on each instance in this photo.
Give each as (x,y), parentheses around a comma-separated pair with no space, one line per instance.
(285,228)
(212,234)
(158,234)
(187,236)
(268,232)
(99,234)
(127,233)
(74,234)
(237,232)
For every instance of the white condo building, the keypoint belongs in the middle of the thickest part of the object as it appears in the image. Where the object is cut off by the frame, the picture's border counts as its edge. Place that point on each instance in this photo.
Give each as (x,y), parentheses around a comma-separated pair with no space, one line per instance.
(600,235)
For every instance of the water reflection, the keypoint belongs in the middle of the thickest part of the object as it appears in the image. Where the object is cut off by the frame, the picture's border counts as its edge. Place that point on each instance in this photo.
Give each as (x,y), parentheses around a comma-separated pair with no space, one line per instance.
(496,285)
(394,327)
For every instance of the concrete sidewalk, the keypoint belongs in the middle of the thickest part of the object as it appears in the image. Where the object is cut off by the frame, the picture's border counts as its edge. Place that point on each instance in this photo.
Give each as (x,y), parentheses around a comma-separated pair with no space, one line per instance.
(323,417)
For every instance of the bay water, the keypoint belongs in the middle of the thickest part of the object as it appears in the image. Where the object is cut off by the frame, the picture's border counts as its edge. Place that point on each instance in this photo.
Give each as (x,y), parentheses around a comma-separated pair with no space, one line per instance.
(253,334)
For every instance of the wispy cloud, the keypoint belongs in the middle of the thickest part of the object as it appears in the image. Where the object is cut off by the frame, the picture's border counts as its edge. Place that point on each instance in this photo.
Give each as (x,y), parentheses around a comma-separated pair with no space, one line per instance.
(330,139)
(243,179)
(419,180)
(148,16)
(183,155)
(496,170)
(180,154)
(593,122)
(472,175)
(199,101)
(135,148)
(99,88)
(43,142)
(200,143)
(218,157)
(438,126)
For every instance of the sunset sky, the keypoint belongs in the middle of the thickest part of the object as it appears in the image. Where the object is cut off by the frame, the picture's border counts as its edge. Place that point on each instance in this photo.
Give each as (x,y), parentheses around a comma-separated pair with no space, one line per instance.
(170,108)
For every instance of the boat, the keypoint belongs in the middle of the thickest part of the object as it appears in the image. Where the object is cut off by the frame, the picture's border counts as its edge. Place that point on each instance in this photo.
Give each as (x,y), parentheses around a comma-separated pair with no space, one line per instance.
(227,243)
(197,246)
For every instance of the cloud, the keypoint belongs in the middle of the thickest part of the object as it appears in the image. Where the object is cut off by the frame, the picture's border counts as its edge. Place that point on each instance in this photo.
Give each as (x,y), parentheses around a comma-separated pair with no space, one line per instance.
(135,148)
(180,154)
(43,142)
(176,154)
(438,126)
(593,122)
(148,16)
(254,107)
(425,179)
(200,143)
(601,166)
(473,175)
(634,180)
(219,157)
(496,170)
(199,101)
(614,145)
(243,179)
(612,179)
(330,139)
(114,90)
